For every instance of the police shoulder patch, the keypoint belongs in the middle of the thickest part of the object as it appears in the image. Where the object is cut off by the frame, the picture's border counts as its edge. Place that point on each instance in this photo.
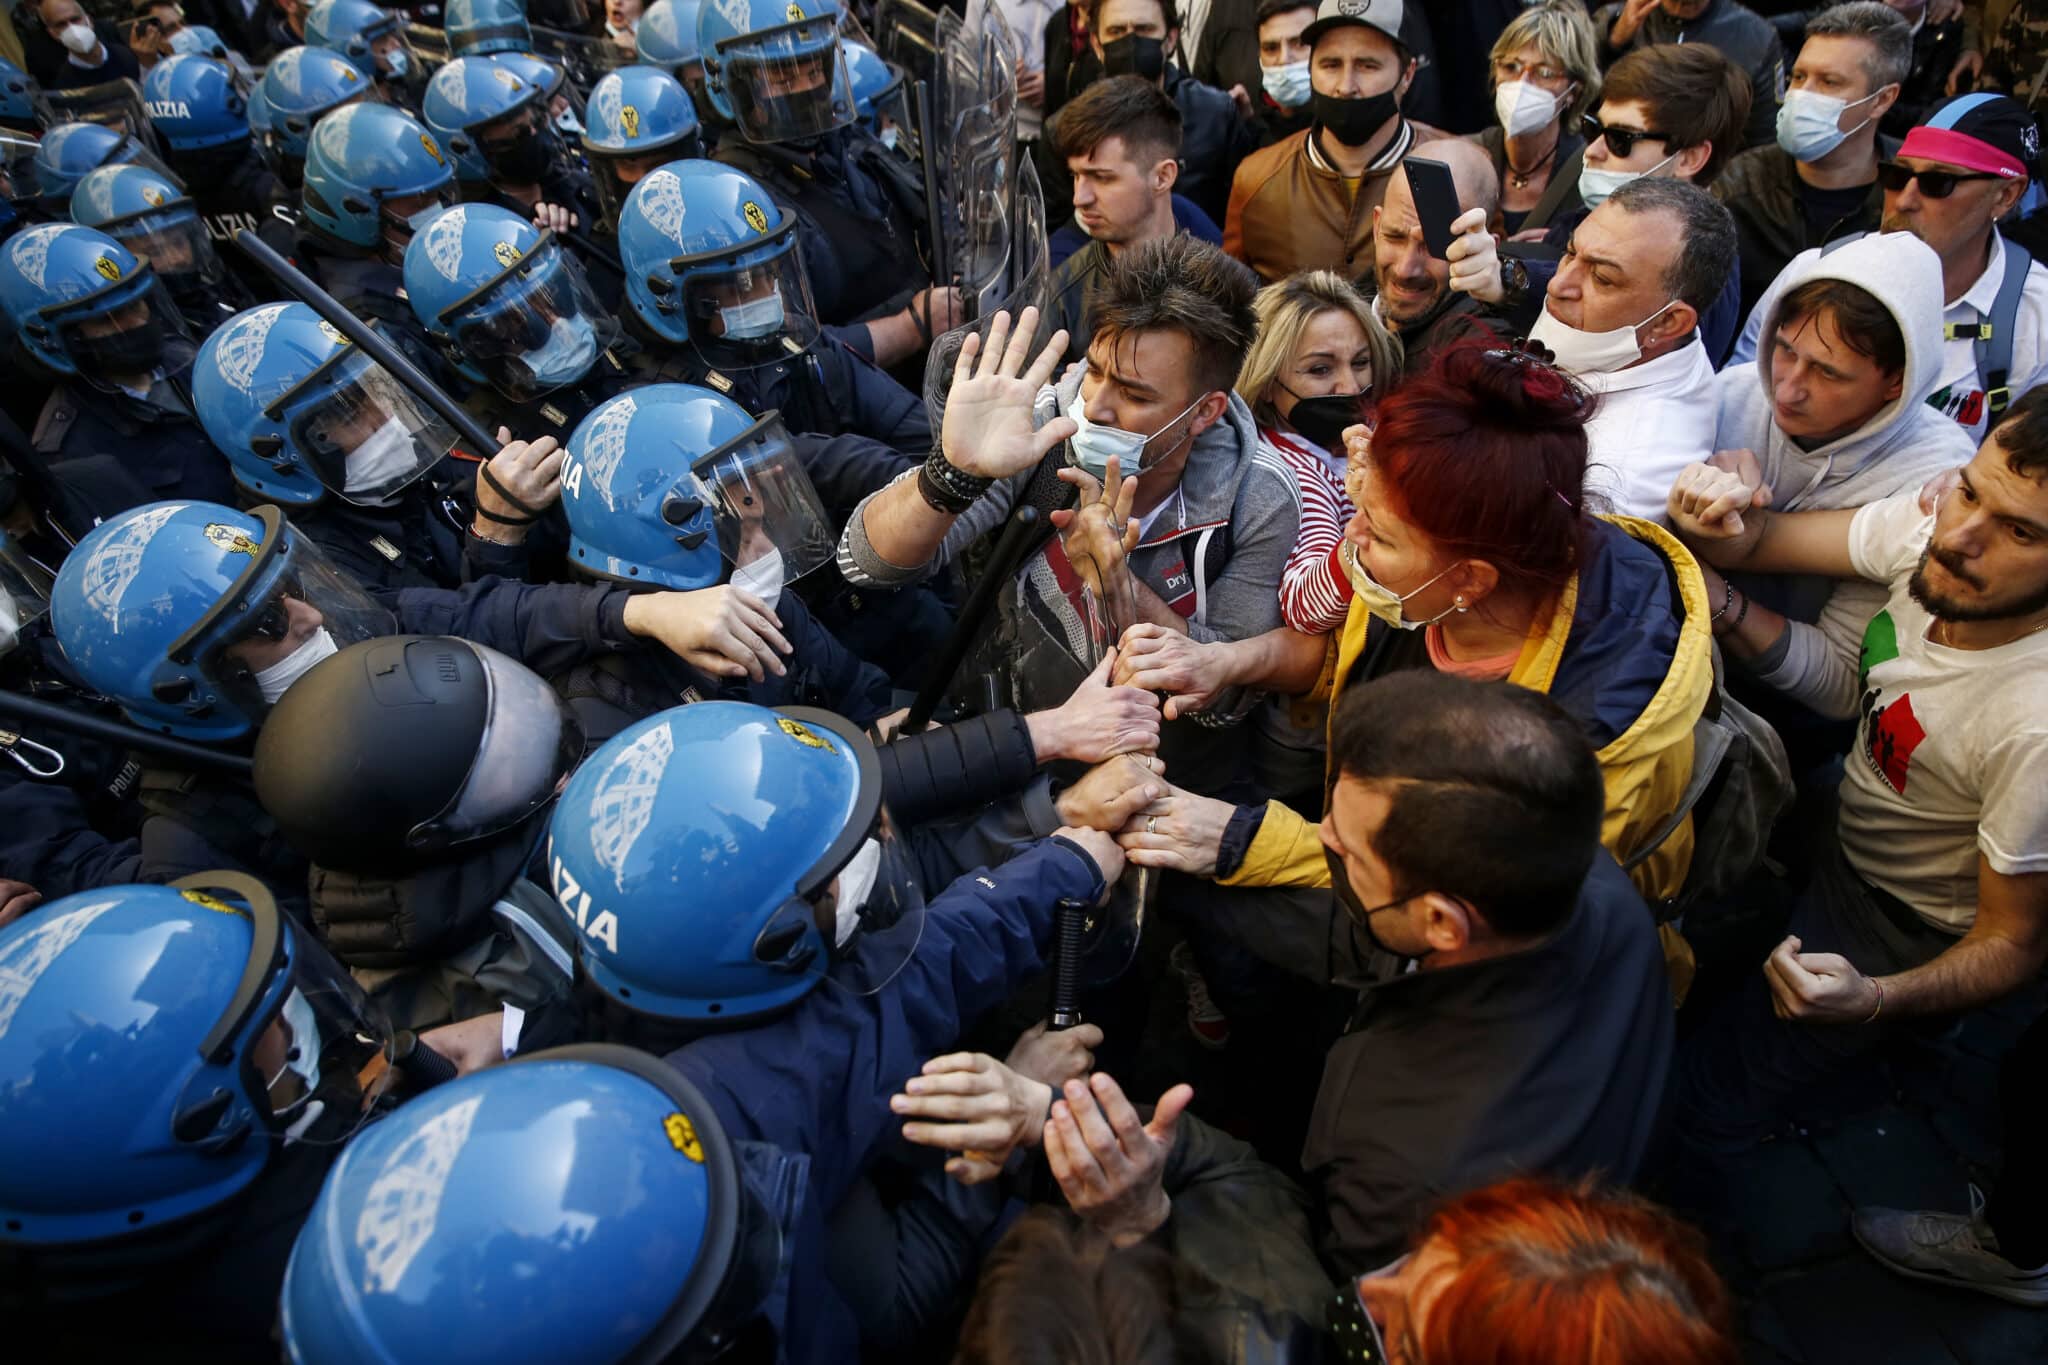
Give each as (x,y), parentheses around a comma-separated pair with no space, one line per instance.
(756,219)
(230,539)
(682,1135)
(804,734)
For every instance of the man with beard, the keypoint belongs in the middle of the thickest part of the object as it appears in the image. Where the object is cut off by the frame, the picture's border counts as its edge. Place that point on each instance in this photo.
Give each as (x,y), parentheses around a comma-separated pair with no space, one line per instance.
(1306,202)
(1934,900)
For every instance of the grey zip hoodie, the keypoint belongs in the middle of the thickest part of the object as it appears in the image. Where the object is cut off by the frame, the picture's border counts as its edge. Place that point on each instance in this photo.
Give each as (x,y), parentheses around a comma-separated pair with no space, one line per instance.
(1904,444)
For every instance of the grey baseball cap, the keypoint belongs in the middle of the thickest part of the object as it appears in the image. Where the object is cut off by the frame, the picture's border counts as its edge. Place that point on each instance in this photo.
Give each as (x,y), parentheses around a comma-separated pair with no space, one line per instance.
(1384,15)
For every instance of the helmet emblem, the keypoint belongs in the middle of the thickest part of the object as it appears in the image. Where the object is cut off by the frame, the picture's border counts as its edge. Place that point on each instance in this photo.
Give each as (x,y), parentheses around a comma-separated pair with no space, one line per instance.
(756,219)
(332,333)
(505,77)
(107,269)
(202,899)
(629,119)
(796,12)
(506,253)
(234,541)
(682,1135)
(427,141)
(803,734)
(152,196)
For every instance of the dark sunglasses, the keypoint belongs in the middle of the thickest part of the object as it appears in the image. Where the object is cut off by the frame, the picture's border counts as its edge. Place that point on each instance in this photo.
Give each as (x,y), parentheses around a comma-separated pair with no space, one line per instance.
(1933,184)
(1620,141)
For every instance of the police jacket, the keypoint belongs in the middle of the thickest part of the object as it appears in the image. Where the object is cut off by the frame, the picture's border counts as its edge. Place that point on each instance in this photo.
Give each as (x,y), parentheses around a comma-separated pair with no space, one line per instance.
(1213,139)
(72,829)
(816,1081)
(424,538)
(110,451)
(233,196)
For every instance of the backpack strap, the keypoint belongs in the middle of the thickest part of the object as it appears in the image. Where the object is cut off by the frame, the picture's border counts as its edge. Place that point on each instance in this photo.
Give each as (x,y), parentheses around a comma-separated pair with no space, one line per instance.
(1993,337)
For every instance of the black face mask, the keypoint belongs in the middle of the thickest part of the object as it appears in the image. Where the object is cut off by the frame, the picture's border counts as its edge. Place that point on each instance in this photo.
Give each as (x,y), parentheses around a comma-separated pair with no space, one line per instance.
(524,161)
(1323,418)
(128,353)
(1134,55)
(1354,121)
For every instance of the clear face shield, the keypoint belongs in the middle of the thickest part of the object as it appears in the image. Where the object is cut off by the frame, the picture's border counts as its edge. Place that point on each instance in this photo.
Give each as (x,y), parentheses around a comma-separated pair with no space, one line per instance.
(113,104)
(535,328)
(364,433)
(290,609)
(772,526)
(613,177)
(19,183)
(741,316)
(175,243)
(530,744)
(24,593)
(787,83)
(122,336)
(521,147)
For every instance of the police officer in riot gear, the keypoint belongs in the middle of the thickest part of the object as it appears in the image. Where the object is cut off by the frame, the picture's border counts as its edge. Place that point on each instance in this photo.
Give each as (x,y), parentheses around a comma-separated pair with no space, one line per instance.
(150,215)
(118,427)
(494,114)
(637,119)
(415,773)
(200,108)
(370,36)
(878,94)
(69,150)
(718,291)
(22,106)
(299,86)
(477,28)
(667,38)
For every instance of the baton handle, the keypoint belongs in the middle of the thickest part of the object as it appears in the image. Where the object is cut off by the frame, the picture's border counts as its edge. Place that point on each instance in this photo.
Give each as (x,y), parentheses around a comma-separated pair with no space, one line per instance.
(114,732)
(1009,551)
(1071,923)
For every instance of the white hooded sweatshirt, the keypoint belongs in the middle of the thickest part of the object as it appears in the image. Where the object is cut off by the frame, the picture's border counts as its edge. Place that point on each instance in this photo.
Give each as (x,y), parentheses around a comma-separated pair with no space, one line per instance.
(1904,444)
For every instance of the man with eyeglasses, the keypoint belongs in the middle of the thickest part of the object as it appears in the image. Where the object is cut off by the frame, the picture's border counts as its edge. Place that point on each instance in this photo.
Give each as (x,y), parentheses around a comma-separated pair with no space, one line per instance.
(1955,178)
(1818,183)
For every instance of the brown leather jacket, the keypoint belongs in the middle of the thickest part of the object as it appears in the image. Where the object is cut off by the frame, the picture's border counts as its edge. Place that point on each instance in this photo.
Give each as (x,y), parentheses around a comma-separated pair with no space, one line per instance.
(1291,210)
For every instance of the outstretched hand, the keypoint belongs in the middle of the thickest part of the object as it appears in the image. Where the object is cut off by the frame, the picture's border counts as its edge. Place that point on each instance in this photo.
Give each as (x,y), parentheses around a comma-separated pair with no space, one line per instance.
(1111,1167)
(988,428)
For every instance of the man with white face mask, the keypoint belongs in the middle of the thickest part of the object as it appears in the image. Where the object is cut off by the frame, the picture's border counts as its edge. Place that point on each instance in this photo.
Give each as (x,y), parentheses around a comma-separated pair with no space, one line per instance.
(1818,180)
(1622,316)
(72,50)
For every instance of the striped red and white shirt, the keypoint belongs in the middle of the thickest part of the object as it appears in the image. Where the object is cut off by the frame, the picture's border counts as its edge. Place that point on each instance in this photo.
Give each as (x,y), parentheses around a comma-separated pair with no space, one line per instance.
(1314,593)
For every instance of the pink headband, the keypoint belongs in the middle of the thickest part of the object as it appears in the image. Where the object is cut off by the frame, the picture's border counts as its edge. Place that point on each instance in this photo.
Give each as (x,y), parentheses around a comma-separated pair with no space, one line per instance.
(1952,148)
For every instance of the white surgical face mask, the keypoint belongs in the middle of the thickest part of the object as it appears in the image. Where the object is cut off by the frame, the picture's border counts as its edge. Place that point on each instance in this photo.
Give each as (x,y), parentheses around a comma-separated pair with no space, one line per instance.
(1287,83)
(567,122)
(1596,183)
(1809,123)
(856,884)
(761,576)
(79,37)
(384,458)
(1382,601)
(1592,352)
(890,136)
(276,679)
(1523,107)
(755,318)
(396,63)
(1093,444)
(566,354)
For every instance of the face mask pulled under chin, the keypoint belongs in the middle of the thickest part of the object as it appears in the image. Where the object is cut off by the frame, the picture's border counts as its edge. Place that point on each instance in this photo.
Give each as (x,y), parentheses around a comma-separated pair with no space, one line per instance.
(275,680)
(1583,352)
(1381,601)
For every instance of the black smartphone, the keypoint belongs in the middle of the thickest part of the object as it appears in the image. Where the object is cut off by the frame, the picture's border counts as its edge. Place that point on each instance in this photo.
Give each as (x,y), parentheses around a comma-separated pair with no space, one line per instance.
(1436,202)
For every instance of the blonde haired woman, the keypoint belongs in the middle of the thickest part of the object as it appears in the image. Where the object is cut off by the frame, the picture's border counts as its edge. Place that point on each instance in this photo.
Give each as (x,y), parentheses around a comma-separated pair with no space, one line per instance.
(1309,374)
(1545,73)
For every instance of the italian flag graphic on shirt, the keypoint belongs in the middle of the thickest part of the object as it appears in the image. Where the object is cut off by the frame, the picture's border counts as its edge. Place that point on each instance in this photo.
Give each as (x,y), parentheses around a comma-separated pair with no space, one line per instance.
(1890,733)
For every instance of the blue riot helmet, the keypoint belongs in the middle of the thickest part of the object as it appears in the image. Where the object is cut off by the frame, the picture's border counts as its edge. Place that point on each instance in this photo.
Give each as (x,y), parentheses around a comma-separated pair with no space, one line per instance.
(508,305)
(582,1203)
(672,485)
(772,67)
(478,27)
(83,305)
(711,259)
(299,86)
(638,118)
(723,859)
(69,150)
(301,413)
(199,40)
(878,92)
(667,38)
(151,216)
(158,1046)
(20,185)
(374,175)
(22,106)
(399,749)
(494,114)
(195,617)
(196,103)
(369,35)
(564,101)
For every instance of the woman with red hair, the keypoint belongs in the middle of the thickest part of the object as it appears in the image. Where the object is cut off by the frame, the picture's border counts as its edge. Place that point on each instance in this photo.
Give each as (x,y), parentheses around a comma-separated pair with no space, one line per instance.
(1528,1272)
(1472,551)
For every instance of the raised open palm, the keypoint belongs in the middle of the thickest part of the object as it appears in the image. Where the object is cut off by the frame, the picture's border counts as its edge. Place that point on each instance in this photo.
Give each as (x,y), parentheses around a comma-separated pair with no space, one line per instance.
(988,429)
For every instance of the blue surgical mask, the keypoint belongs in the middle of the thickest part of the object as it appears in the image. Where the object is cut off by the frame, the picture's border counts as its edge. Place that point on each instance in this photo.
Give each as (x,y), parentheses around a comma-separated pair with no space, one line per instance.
(566,354)
(1809,123)
(1595,183)
(1287,83)
(396,63)
(755,318)
(1092,446)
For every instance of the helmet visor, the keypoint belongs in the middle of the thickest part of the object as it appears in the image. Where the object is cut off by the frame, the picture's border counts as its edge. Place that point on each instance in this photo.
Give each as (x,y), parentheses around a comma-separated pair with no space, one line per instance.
(175,243)
(764,503)
(530,743)
(614,176)
(19,183)
(742,316)
(24,592)
(120,336)
(872,912)
(787,82)
(365,434)
(535,328)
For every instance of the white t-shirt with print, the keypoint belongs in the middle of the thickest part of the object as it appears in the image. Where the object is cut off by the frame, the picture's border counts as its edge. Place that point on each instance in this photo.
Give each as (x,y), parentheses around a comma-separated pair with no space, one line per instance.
(1951,753)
